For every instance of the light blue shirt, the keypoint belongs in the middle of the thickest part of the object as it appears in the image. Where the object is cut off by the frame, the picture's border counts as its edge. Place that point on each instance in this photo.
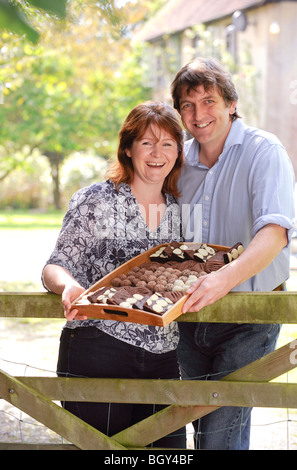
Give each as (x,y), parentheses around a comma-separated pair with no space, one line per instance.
(251,185)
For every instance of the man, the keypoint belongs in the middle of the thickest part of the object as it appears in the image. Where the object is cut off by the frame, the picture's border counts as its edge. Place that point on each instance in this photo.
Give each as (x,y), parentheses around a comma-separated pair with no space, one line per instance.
(242,182)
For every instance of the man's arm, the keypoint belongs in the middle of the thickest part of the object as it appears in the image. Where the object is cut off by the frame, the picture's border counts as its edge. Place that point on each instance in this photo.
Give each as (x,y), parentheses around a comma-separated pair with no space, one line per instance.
(261,251)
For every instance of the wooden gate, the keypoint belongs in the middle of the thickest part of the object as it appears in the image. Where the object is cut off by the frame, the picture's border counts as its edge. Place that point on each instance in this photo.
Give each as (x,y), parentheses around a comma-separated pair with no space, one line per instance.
(186,400)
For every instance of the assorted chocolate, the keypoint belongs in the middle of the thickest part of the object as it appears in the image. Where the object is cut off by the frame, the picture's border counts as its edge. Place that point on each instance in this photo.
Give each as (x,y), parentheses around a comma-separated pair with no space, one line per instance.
(156,285)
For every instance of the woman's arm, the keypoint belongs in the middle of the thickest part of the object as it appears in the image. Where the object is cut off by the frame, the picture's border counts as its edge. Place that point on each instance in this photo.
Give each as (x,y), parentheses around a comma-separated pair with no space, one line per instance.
(59,280)
(261,251)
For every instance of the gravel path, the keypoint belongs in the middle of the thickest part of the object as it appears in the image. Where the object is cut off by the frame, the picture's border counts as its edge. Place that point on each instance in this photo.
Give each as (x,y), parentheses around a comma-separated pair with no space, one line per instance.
(30,348)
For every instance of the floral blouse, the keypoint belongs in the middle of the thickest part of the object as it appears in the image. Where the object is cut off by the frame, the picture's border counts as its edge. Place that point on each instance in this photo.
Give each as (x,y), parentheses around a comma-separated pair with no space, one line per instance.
(103,229)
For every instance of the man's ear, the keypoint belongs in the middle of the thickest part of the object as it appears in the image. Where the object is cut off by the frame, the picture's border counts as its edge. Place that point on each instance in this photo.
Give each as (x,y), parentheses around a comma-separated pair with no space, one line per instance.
(232,107)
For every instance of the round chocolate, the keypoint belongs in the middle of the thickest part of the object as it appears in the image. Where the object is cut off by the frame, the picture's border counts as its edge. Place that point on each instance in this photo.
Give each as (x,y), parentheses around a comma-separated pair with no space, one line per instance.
(151,285)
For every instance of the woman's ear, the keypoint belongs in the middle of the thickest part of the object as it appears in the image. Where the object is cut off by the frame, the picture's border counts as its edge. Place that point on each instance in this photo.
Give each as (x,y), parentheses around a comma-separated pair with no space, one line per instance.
(127,152)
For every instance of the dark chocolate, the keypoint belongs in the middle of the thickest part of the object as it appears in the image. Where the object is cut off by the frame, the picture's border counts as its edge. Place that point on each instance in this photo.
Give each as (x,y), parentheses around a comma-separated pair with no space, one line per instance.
(159,255)
(101,295)
(233,253)
(157,304)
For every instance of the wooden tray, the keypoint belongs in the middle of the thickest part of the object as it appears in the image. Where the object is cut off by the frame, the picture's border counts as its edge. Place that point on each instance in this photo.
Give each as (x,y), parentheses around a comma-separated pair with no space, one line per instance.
(115,312)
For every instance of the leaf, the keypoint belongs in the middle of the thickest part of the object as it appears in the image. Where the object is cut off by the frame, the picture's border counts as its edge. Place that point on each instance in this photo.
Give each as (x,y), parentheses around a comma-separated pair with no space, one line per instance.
(56,7)
(12,19)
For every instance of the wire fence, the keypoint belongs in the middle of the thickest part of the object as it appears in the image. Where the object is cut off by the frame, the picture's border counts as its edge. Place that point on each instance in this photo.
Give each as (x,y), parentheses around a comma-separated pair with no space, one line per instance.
(274,429)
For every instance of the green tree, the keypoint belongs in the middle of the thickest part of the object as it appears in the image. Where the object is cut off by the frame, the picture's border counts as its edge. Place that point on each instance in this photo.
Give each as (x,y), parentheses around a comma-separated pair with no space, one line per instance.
(70,92)
(19,17)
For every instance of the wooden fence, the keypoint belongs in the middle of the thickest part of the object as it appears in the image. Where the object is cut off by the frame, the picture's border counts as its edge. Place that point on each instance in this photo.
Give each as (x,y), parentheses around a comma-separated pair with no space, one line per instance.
(186,400)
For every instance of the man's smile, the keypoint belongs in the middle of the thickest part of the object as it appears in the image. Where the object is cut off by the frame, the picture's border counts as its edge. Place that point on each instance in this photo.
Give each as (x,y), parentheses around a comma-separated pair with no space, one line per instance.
(202,126)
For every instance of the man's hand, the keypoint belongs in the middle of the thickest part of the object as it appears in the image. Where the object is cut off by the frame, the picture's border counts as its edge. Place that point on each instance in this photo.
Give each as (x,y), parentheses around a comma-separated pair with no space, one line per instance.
(205,291)
(264,247)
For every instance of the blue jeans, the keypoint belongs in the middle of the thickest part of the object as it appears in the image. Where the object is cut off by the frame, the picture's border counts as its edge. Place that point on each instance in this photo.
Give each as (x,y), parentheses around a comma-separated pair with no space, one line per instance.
(89,352)
(209,351)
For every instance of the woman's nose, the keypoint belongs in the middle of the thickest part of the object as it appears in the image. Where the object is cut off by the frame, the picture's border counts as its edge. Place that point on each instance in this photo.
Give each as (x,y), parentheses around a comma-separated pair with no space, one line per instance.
(156,149)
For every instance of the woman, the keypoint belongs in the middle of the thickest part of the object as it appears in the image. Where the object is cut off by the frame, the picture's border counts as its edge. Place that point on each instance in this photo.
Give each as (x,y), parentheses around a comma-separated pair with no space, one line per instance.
(106,225)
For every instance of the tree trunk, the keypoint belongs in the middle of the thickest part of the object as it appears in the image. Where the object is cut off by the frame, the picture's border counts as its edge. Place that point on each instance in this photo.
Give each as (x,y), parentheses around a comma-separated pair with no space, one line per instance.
(55,158)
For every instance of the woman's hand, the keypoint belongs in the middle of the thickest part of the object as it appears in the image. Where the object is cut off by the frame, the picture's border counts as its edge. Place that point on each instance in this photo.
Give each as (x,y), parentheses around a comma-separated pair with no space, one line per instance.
(69,294)
(59,280)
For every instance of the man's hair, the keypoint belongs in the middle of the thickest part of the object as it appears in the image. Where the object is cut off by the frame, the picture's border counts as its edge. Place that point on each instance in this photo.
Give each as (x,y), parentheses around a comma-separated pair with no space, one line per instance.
(206,72)
(164,117)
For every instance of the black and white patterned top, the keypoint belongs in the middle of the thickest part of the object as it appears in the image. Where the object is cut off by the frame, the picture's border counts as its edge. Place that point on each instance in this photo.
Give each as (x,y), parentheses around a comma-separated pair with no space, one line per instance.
(103,229)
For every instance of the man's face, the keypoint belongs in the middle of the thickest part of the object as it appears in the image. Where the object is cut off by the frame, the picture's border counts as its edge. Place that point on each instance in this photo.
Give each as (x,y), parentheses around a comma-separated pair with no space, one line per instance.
(206,116)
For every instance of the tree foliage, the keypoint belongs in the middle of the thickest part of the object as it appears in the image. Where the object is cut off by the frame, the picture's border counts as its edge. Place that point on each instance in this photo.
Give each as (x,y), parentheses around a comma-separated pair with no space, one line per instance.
(20,16)
(71,91)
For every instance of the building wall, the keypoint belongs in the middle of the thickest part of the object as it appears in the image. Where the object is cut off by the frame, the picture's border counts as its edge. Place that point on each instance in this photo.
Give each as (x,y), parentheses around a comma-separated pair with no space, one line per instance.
(274,57)
(268,96)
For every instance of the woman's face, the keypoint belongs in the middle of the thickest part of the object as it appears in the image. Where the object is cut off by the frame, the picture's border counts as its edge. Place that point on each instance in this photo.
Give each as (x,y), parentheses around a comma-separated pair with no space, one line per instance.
(153,155)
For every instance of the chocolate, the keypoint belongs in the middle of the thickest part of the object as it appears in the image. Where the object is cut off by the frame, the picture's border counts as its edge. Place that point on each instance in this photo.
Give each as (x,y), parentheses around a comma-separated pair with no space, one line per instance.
(233,253)
(177,251)
(159,255)
(203,253)
(180,251)
(215,262)
(140,302)
(127,296)
(101,295)
(173,296)
(116,282)
(157,284)
(157,303)
(170,248)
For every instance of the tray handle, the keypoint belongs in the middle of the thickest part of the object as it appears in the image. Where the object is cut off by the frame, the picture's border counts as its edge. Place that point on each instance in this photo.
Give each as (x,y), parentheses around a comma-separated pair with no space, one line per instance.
(115,312)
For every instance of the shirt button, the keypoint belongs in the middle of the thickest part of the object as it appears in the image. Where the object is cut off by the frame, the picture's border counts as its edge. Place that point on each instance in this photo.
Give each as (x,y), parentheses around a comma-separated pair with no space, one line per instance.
(207,198)
(205,223)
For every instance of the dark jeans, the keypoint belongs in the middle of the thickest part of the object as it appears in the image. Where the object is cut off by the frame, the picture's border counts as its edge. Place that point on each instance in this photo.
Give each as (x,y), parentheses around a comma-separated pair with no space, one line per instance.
(209,351)
(89,352)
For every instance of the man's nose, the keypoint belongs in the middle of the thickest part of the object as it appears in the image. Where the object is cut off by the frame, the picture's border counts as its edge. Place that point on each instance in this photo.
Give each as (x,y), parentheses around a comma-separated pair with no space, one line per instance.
(198,112)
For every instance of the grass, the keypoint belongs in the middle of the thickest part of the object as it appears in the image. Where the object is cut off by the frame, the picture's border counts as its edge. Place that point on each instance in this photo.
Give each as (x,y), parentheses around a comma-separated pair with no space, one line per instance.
(30,220)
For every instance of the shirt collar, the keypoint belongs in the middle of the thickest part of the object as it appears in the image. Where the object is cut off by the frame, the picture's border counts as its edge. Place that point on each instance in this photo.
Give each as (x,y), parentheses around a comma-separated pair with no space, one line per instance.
(236,134)
(235,137)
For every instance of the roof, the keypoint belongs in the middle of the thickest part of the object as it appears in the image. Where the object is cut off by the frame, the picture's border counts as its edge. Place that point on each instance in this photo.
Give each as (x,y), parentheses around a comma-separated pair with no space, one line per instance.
(178,15)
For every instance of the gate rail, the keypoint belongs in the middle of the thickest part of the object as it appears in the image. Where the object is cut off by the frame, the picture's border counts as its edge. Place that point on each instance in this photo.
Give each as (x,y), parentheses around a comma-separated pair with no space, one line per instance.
(186,400)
